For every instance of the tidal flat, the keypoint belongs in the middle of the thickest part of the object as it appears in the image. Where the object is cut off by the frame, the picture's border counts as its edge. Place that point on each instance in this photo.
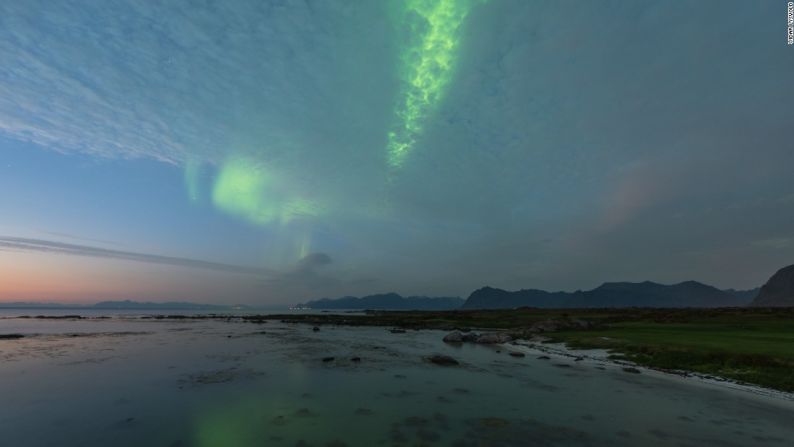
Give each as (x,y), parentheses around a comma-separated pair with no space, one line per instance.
(748,345)
(244,381)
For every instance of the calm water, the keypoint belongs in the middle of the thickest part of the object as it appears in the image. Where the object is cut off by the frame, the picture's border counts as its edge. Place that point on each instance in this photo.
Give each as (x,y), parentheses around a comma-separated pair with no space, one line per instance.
(132,382)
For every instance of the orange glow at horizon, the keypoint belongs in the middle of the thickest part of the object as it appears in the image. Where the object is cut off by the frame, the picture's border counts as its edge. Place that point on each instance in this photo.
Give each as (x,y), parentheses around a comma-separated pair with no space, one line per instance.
(43,277)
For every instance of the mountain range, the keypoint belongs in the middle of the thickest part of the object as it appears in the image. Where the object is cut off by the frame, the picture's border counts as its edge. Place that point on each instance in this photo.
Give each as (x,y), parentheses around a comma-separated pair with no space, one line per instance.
(613,294)
(777,292)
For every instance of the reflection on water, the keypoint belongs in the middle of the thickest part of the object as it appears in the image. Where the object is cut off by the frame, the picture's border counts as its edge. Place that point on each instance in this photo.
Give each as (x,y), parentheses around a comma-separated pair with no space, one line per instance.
(132,382)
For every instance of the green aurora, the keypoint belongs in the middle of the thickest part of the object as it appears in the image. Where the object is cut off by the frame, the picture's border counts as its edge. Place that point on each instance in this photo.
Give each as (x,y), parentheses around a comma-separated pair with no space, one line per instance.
(247,189)
(427,67)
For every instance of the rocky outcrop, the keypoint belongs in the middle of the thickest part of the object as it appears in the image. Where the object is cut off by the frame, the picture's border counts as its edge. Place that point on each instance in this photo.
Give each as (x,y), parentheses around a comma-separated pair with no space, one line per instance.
(550,325)
(778,291)
(494,338)
(473,337)
(454,337)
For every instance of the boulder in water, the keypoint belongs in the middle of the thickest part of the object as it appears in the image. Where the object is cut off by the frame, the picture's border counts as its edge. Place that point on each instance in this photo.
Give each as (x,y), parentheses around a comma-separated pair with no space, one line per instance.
(494,338)
(453,337)
(442,360)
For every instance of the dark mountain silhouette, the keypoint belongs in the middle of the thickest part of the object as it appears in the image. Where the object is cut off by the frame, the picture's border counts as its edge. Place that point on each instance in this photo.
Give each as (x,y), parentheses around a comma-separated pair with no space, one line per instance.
(386,301)
(492,298)
(611,294)
(778,291)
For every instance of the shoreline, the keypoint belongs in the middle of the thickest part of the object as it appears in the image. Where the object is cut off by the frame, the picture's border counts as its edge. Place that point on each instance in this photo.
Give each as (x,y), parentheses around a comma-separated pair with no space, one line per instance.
(600,358)
(535,345)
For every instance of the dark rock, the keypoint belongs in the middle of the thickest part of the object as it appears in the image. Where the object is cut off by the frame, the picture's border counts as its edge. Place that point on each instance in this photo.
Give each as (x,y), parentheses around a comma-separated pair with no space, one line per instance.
(328,359)
(470,337)
(544,357)
(629,369)
(443,360)
(517,354)
(494,338)
(11,336)
(453,337)
(316,328)
(355,359)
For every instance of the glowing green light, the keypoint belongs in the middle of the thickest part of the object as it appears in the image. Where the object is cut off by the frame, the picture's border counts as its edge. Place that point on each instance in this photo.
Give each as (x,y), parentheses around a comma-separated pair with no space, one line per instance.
(247,189)
(427,67)
(192,175)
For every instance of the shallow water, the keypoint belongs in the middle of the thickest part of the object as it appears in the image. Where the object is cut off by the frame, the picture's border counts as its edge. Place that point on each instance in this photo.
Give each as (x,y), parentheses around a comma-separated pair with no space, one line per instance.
(134,382)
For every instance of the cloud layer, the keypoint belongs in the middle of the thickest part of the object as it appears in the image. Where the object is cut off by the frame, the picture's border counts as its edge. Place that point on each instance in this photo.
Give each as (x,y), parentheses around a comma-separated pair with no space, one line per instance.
(47,246)
(552,158)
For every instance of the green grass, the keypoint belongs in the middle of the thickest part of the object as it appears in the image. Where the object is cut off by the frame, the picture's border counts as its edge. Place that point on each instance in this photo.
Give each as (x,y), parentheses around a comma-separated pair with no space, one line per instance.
(757,351)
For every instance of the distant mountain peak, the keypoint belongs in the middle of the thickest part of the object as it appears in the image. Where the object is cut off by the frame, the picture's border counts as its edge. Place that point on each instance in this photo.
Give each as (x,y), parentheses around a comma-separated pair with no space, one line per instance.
(778,291)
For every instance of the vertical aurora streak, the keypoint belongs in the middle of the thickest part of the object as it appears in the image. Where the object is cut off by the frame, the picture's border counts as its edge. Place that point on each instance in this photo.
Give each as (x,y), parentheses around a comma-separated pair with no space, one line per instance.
(427,65)
(192,175)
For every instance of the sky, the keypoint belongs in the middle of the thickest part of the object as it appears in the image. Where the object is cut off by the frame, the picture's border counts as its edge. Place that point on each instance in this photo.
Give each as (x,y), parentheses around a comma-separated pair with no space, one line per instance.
(267,152)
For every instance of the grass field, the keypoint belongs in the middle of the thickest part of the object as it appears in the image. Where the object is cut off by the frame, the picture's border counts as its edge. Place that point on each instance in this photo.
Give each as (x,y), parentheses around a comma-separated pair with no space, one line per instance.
(758,351)
(745,344)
